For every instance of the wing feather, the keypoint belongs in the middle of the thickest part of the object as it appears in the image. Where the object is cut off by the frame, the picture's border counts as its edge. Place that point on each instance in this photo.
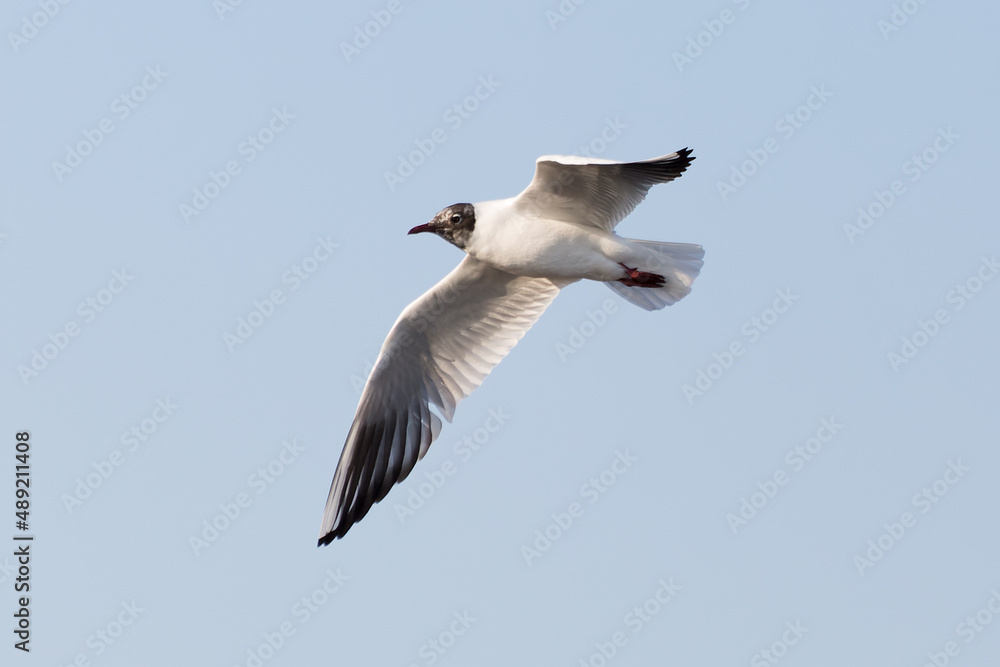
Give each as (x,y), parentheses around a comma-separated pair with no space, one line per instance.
(596,192)
(440,349)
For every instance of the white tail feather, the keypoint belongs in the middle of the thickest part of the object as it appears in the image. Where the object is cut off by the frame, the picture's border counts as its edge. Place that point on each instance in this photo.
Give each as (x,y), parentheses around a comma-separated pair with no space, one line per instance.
(679,263)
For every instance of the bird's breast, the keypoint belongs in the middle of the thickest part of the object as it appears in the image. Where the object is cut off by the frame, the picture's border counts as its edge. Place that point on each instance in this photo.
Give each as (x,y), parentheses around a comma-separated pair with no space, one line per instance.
(540,248)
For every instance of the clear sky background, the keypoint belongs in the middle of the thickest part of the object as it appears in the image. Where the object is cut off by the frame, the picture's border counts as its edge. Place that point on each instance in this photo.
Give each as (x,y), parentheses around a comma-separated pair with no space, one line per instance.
(811,435)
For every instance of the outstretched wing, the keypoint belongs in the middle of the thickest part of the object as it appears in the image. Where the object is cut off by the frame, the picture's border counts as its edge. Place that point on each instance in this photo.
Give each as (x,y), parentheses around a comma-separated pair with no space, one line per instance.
(441,348)
(595,192)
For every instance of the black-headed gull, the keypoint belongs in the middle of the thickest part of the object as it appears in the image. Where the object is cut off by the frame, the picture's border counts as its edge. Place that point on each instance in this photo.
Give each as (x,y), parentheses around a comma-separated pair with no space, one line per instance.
(519,253)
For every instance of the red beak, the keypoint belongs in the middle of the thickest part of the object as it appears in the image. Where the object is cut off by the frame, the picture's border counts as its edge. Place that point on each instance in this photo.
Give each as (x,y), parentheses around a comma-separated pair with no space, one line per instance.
(426,227)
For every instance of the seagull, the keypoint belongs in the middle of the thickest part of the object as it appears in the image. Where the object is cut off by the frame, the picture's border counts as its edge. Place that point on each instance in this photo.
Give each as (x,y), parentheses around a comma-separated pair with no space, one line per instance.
(519,252)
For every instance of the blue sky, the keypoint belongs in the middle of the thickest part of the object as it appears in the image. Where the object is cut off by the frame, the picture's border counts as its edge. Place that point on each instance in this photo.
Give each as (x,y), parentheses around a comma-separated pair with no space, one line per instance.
(204,209)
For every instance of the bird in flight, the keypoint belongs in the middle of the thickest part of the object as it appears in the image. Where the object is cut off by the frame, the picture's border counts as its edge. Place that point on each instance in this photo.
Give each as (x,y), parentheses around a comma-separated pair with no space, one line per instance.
(519,252)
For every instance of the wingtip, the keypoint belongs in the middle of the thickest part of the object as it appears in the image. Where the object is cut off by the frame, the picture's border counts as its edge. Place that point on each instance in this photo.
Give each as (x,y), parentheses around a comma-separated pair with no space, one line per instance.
(683,157)
(667,167)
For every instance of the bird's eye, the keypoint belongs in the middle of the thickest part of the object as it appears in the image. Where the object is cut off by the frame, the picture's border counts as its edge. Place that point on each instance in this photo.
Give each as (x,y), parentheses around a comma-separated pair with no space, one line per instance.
(455,219)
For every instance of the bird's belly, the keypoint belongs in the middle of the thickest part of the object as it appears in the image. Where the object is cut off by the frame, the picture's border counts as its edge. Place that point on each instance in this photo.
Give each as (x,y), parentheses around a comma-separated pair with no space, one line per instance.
(556,250)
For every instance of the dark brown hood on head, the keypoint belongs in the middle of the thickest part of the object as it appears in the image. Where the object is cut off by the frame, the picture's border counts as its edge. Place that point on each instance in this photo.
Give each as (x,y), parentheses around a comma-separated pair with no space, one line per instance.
(454,224)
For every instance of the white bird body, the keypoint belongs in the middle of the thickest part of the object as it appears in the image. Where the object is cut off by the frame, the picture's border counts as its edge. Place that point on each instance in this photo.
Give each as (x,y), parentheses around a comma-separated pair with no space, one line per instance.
(520,252)
(526,245)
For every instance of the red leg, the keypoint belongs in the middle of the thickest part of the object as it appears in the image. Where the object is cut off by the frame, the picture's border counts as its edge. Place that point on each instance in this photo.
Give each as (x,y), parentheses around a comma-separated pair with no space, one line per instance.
(636,278)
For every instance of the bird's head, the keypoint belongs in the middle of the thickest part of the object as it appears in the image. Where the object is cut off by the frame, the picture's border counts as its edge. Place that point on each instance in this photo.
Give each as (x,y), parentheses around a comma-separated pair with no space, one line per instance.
(454,224)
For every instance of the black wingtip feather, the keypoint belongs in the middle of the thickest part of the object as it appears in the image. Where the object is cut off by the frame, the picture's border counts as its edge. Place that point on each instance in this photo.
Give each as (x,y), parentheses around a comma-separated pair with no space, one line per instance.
(661,170)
